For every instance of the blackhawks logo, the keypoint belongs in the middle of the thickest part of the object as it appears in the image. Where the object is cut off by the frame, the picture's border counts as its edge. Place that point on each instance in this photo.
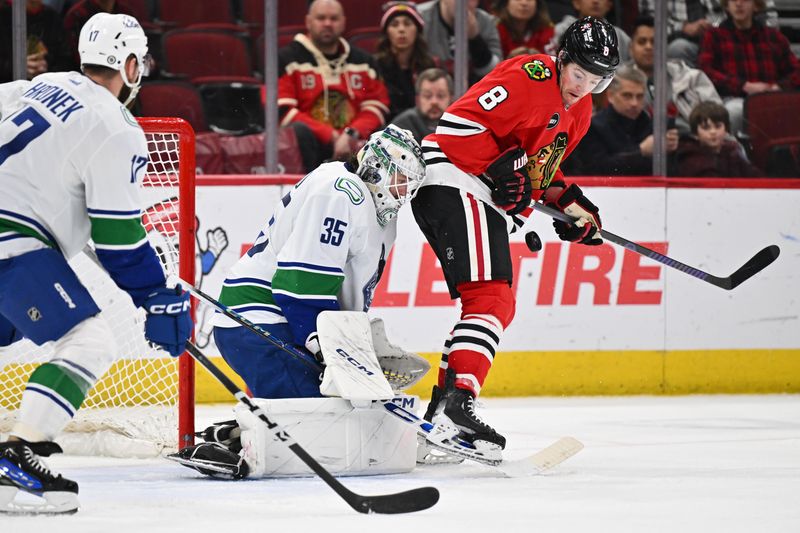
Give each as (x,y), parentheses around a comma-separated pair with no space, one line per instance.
(543,164)
(537,70)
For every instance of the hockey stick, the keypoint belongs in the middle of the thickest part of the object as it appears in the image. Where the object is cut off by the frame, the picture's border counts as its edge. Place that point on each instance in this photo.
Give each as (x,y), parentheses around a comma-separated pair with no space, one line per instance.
(756,264)
(402,502)
(236,317)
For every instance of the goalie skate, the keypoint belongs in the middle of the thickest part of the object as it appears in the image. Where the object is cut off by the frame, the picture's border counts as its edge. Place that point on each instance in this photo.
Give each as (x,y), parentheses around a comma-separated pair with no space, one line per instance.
(21,470)
(212,459)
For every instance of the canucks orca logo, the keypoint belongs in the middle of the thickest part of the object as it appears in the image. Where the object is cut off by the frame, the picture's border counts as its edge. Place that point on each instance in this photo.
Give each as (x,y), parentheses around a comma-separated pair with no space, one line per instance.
(351,189)
(537,70)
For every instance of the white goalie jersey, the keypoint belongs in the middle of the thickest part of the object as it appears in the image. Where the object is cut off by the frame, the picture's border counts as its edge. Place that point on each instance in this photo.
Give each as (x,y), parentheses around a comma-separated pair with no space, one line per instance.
(322,249)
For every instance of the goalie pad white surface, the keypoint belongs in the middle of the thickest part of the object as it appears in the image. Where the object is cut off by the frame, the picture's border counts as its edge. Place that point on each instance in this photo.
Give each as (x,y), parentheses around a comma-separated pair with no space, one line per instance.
(346,440)
(402,369)
(351,367)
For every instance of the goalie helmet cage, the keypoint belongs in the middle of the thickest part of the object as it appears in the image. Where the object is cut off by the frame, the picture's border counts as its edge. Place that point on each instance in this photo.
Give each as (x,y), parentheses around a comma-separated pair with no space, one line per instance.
(144,405)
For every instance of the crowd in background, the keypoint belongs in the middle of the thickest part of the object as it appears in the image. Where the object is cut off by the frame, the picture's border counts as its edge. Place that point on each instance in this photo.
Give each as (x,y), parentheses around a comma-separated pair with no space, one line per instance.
(339,83)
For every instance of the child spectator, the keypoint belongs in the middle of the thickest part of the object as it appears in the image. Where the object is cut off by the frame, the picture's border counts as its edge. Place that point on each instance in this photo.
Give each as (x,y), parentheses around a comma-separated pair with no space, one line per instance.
(523,24)
(402,53)
(709,151)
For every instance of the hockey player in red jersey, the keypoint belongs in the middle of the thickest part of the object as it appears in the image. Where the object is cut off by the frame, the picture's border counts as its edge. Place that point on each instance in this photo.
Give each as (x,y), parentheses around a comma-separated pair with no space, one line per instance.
(495,149)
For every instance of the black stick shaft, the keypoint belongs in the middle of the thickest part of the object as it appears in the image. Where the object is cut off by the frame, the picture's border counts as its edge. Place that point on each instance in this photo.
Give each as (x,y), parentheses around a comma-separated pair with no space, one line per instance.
(752,267)
(403,502)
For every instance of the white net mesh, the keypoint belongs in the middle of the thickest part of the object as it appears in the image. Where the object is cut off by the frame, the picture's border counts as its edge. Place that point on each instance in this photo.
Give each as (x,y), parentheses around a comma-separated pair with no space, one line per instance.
(133,409)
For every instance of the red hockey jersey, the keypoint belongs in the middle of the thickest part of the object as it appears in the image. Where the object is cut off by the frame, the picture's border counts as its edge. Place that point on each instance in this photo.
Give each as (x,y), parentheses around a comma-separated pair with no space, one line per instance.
(517,104)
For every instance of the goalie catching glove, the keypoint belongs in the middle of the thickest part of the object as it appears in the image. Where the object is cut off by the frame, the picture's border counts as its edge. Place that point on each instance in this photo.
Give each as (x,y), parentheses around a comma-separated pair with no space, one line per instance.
(512,185)
(570,200)
(168,323)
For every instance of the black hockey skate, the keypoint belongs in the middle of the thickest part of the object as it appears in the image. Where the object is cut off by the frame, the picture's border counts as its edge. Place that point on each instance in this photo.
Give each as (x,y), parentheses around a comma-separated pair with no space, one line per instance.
(452,410)
(227,433)
(21,469)
(212,459)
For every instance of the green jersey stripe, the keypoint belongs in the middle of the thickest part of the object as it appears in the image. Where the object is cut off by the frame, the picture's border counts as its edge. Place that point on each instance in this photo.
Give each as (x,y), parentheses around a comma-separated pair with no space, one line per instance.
(7,225)
(63,382)
(302,282)
(245,294)
(117,231)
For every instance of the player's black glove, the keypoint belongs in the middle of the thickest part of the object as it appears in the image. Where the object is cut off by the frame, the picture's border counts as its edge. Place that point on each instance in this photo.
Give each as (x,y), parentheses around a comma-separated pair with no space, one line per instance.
(512,185)
(570,200)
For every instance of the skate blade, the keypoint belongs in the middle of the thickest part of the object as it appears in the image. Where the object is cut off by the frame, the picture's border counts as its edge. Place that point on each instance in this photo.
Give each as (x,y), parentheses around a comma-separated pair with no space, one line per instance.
(428,455)
(446,438)
(15,502)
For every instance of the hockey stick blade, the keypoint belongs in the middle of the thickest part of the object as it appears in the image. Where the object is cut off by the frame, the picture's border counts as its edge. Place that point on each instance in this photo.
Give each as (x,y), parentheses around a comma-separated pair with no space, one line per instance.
(755,265)
(534,464)
(402,502)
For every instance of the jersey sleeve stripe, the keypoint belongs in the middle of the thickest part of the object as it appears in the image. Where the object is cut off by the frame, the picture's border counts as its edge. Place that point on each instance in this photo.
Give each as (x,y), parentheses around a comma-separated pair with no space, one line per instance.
(454,121)
(245,294)
(108,213)
(114,232)
(247,281)
(308,267)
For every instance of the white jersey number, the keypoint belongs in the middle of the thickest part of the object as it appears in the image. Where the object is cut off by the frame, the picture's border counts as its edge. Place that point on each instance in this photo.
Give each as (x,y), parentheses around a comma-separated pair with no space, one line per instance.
(492,97)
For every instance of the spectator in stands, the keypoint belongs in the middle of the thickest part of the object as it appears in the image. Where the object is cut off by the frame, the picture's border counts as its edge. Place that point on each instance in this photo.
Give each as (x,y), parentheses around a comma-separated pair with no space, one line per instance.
(743,56)
(482,39)
(328,92)
(45,45)
(687,21)
(434,93)
(687,86)
(709,150)
(594,8)
(82,11)
(523,24)
(620,138)
(402,53)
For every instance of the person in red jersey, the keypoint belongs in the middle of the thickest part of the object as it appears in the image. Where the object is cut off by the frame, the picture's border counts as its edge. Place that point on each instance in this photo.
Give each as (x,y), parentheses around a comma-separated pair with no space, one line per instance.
(495,149)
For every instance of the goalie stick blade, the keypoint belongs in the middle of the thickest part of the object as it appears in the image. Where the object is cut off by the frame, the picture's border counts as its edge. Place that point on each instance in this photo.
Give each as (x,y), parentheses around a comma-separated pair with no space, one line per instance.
(543,460)
(756,264)
(409,501)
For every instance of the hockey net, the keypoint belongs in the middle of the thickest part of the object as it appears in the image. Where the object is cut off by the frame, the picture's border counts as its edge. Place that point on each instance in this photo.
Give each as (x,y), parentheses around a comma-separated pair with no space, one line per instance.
(144,405)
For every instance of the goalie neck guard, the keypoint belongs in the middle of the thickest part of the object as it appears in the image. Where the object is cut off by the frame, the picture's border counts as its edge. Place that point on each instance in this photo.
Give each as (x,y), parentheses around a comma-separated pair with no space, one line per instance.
(391,165)
(108,40)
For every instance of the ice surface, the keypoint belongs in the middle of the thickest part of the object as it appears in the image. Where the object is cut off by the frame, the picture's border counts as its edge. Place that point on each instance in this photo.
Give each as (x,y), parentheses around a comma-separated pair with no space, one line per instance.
(651,464)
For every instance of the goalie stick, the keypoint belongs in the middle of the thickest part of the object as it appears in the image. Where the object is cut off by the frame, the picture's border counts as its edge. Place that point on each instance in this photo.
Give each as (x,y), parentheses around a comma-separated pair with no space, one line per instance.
(756,264)
(442,438)
(402,502)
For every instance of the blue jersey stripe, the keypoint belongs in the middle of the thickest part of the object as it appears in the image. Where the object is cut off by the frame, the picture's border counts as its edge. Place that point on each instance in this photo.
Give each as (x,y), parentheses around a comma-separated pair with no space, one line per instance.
(32,222)
(54,398)
(247,281)
(112,212)
(309,266)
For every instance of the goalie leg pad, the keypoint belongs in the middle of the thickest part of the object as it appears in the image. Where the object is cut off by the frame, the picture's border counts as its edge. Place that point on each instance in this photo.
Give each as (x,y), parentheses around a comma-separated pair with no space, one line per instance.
(347,441)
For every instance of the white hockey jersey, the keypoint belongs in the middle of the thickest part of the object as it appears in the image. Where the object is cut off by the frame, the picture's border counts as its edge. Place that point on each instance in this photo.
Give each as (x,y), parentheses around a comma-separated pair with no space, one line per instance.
(322,249)
(71,158)
(71,162)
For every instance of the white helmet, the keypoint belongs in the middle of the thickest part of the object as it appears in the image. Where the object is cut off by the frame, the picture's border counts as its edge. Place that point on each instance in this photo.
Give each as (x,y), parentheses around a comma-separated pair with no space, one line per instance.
(108,40)
(391,165)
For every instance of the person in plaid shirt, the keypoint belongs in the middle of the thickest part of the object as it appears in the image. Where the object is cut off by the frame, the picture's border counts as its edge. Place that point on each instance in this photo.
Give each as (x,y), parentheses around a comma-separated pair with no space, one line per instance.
(743,56)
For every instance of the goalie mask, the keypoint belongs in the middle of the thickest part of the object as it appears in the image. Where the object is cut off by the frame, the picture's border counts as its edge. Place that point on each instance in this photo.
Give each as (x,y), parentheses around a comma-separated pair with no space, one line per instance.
(108,40)
(391,165)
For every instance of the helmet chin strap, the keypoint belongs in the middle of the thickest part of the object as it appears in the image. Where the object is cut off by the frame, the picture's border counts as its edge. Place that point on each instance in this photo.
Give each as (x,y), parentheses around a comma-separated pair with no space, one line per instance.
(131,89)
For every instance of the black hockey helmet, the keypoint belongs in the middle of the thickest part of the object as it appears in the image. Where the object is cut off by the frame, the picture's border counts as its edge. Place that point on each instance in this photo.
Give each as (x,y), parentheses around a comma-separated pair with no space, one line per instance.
(591,43)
